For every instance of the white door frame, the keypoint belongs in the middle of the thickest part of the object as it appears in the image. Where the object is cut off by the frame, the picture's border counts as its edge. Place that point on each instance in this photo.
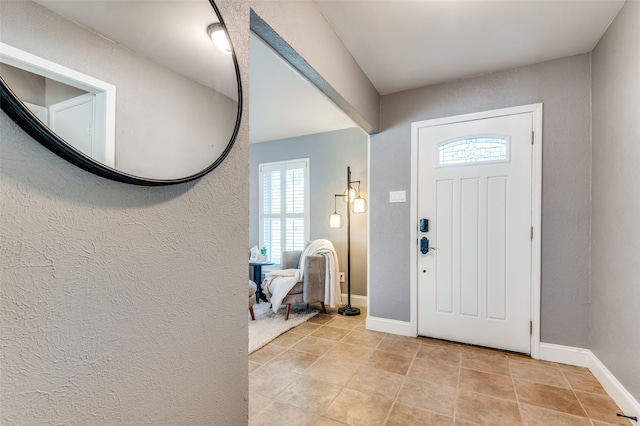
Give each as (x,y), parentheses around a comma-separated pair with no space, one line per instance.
(536,213)
(105,101)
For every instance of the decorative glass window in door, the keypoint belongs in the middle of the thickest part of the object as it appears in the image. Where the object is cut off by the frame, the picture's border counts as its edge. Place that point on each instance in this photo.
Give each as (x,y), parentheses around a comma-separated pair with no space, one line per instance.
(473,149)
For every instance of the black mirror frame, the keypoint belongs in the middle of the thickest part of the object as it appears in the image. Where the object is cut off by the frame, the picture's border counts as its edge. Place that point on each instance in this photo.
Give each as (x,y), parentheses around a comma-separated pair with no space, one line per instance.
(19,113)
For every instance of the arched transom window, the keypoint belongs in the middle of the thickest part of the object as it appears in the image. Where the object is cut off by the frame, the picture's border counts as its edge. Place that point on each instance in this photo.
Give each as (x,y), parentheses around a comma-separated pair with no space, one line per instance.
(474,149)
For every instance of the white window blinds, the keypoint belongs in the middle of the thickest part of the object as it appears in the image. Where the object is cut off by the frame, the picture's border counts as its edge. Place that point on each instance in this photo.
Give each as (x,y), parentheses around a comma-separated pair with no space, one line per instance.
(284,207)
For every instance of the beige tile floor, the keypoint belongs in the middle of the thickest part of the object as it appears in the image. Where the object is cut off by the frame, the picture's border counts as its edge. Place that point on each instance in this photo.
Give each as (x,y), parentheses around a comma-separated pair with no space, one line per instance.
(332,371)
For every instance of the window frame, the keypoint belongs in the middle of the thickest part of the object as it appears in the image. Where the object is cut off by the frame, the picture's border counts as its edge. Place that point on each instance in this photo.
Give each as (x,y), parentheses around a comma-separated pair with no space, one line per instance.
(283,166)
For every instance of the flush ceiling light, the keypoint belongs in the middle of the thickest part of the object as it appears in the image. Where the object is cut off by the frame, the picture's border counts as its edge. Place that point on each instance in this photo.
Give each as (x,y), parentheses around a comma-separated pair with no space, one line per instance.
(218,34)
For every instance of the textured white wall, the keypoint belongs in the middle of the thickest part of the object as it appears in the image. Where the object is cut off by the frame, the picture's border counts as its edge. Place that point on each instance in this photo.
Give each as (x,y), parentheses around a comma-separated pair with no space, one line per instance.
(564,88)
(615,327)
(123,304)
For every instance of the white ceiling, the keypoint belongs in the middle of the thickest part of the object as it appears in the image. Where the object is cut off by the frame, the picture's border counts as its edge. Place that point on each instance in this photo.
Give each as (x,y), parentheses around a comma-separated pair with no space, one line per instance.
(405,44)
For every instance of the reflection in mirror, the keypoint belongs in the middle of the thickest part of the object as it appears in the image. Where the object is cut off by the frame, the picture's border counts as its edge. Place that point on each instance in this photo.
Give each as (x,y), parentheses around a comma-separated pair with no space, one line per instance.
(78,108)
(178,100)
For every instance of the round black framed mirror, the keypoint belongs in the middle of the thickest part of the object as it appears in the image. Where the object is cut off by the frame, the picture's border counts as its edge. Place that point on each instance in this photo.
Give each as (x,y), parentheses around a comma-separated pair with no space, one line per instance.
(134,91)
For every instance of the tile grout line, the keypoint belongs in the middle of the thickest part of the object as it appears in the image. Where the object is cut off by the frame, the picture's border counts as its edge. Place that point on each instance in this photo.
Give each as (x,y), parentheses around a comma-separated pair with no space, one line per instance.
(455,403)
(274,398)
(515,390)
(576,397)
(404,379)
(571,388)
(343,387)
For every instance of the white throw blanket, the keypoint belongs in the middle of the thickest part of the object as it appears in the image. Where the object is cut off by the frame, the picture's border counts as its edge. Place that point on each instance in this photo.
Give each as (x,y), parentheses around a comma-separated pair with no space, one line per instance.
(332,291)
(277,284)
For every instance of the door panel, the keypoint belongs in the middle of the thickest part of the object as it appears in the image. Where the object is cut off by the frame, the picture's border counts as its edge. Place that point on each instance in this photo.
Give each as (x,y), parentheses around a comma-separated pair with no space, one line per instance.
(497,247)
(444,227)
(474,284)
(469,250)
(73,121)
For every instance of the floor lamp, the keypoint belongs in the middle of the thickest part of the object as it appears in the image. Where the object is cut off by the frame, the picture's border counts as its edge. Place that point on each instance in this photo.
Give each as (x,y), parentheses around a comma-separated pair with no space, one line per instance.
(355,204)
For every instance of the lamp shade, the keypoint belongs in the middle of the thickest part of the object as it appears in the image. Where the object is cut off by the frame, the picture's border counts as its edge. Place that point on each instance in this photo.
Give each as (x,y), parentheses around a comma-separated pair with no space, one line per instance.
(349,195)
(219,37)
(335,220)
(359,205)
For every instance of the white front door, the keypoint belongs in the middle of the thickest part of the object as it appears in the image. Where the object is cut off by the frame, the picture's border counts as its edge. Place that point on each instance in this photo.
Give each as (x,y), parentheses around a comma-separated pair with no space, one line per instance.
(475,188)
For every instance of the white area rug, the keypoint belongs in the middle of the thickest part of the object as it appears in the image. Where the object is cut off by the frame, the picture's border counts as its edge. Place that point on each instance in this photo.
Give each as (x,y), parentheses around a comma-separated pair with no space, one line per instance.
(269,325)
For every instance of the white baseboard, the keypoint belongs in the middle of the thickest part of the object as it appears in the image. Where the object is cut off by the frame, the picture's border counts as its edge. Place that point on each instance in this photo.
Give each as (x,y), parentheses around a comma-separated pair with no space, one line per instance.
(627,403)
(402,328)
(585,358)
(564,354)
(355,300)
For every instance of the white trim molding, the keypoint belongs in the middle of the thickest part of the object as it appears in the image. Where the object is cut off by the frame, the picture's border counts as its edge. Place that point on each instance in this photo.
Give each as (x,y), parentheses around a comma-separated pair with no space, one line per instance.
(402,328)
(585,358)
(564,354)
(356,300)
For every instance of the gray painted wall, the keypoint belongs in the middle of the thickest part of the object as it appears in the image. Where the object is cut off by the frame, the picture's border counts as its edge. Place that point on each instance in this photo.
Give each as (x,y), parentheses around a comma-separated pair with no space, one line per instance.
(330,153)
(615,282)
(123,304)
(564,87)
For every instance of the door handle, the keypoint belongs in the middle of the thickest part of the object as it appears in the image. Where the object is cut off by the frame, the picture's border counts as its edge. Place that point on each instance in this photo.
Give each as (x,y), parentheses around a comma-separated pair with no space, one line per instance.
(424,245)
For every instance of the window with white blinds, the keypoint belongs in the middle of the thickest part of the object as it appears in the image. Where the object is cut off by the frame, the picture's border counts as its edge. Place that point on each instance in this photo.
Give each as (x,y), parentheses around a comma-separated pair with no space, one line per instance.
(284,207)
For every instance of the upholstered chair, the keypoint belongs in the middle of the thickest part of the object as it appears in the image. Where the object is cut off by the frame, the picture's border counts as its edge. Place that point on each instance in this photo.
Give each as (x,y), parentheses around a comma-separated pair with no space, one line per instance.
(311,288)
(252,298)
